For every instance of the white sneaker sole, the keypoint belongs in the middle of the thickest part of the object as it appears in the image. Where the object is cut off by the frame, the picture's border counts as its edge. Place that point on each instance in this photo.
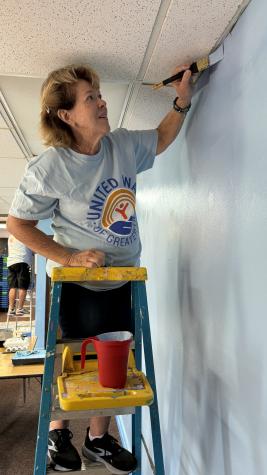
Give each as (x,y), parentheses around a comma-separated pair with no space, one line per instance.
(57,467)
(96,458)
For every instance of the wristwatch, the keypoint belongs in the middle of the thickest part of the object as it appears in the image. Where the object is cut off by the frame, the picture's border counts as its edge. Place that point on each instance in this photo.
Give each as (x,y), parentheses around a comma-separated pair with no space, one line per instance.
(183,110)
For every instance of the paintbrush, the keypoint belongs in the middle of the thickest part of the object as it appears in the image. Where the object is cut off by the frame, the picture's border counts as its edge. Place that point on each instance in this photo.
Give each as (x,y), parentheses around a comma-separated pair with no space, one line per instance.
(196,67)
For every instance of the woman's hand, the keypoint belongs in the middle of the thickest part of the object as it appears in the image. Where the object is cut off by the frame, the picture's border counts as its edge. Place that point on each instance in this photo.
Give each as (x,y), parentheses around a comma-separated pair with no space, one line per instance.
(89,258)
(183,87)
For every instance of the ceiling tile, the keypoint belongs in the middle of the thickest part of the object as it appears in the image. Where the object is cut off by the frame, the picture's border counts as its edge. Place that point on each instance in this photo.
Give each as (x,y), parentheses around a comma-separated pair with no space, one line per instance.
(12,170)
(6,197)
(149,108)
(3,125)
(111,35)
(9,147)
(4,208)
(191,29)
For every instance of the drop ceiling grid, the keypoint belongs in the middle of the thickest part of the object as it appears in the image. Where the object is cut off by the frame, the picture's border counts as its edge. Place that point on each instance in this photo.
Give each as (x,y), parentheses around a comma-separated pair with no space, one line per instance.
(3,125)
(111,35)
(9,146)
(23,97)
(190,31)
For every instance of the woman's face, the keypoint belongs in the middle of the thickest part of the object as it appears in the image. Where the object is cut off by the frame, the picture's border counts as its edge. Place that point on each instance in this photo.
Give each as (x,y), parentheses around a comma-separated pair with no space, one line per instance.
(89,114)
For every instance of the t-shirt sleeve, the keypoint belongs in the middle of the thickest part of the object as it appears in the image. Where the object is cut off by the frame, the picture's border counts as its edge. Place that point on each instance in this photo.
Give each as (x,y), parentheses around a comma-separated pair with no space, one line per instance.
(145,146)
(33,200)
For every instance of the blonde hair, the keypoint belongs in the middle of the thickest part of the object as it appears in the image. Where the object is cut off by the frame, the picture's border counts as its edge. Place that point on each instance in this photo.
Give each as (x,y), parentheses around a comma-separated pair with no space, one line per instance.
(58,92)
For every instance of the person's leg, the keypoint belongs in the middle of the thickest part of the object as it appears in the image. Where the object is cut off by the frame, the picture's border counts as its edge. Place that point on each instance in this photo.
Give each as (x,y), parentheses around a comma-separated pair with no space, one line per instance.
(99,426)
(24,278)
(22,297)
(13,284)
(59,424)
(12,298)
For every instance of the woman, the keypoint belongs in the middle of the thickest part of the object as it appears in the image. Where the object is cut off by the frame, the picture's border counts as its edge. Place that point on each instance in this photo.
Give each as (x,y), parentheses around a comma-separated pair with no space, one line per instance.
(86,182)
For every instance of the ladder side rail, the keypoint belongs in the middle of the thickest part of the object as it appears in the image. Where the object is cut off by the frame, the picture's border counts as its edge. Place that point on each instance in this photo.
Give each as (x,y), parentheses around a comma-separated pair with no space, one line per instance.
(46,396)
(150,371)
(137,417)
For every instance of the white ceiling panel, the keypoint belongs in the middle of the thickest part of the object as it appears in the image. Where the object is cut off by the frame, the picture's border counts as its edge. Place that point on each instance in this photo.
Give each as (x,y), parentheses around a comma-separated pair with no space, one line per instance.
(150,107)
(37,36)
(6,197)
(3,201)
(22,96)
(3,125)
(190,30)
(4,208)
(11,171)
(7,194)
(9,147)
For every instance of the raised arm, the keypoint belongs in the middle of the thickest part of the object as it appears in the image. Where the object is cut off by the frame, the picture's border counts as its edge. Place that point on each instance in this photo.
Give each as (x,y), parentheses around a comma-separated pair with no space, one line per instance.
(26,232)
(170,126)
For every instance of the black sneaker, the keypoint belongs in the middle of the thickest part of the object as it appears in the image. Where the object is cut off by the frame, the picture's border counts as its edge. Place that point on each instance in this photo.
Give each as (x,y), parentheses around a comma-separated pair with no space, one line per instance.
(107,451)
(63,456)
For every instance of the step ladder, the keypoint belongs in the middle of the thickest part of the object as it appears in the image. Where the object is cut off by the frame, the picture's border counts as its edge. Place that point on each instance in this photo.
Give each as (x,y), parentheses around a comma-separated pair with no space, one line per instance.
(53,403)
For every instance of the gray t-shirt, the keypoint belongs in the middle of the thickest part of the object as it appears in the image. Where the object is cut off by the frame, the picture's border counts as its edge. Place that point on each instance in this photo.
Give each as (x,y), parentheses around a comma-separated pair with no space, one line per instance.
(90,198)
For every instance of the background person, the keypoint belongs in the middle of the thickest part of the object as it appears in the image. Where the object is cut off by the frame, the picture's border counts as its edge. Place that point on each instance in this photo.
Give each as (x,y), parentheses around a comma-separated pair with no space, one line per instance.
(86,182)
(19,262)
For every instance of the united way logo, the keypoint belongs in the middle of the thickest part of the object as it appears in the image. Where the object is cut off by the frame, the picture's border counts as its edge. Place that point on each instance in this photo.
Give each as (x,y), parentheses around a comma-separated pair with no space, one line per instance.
(119,212)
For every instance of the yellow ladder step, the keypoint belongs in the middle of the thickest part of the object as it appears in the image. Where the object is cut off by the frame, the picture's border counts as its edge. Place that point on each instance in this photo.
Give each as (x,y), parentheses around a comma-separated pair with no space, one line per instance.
(81,274)
(80,390)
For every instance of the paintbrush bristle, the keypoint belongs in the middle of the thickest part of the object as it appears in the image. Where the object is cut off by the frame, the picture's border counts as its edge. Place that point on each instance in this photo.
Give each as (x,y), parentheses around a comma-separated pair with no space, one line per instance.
(158,85)
(202,64)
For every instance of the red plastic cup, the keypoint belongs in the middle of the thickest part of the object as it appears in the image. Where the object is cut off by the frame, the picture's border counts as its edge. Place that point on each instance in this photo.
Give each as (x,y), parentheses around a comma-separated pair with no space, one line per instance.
(112,355)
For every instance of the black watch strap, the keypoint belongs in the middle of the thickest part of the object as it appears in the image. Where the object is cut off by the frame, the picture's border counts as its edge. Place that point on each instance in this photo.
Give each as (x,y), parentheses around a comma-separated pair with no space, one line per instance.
(183,110)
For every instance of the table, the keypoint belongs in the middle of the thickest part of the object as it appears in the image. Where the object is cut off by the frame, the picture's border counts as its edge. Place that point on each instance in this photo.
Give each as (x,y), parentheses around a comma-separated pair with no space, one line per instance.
(8,370)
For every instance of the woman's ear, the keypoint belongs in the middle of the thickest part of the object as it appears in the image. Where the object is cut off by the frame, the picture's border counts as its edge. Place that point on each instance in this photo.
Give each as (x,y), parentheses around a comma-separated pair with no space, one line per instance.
(64,115)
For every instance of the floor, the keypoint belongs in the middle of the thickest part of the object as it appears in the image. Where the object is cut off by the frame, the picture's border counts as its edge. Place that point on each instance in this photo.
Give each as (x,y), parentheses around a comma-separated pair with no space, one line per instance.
(19,423)
(23,323)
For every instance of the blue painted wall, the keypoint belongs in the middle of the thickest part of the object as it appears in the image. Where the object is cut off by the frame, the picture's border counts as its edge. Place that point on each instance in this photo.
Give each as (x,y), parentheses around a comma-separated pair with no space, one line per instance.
(203,217)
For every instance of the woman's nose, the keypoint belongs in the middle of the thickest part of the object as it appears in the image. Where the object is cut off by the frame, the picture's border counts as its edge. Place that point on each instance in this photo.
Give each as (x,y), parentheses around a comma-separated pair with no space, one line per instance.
(101,102)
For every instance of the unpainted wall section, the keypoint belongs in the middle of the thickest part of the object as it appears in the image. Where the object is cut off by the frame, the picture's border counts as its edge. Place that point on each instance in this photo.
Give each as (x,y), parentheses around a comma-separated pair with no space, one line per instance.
(203,219)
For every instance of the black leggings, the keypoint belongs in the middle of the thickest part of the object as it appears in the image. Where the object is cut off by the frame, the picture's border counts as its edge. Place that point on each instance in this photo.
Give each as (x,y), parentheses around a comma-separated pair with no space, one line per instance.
(85,312)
